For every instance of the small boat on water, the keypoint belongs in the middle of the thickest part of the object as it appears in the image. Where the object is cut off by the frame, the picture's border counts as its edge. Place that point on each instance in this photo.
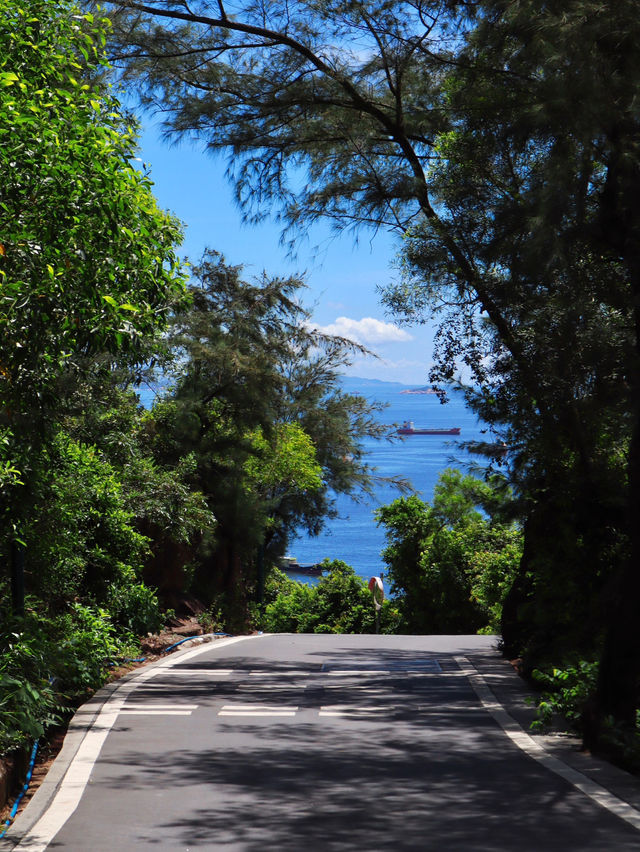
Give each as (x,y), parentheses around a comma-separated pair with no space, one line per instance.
(408,428)
(290,565)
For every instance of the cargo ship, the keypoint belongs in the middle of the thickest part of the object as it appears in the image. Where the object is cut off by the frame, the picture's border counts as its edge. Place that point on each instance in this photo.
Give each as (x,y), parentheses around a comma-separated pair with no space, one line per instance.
(408,428)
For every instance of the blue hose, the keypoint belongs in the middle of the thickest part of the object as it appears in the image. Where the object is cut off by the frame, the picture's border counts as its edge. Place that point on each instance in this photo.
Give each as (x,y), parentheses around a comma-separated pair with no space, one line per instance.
(166,650)
(188,639)
(16,804)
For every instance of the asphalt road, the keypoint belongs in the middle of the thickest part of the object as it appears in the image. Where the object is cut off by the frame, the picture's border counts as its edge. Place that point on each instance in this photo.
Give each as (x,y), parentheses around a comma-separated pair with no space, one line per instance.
(302,743)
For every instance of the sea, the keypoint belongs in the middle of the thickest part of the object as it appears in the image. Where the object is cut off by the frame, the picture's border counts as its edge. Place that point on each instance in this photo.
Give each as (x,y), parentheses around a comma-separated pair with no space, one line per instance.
(354,536)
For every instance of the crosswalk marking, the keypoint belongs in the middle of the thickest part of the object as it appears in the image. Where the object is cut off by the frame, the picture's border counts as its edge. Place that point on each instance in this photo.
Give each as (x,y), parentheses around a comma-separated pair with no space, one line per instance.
(356,687)
(351,710)
(363,680)
(158,709)
(269,687)
(380,667)
(289,673)
(255,707)
(264,713)
(161,707)
(357,672)
(201,671)
(256,710)
(155,712)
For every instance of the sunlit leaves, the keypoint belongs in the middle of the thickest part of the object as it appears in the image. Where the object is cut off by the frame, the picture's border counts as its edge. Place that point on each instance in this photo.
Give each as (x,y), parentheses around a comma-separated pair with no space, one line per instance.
(87,261)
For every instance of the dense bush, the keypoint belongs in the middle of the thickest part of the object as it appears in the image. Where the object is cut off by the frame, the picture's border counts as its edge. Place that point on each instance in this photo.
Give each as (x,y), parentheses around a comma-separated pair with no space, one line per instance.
(48,664)
(340,603)
(81,541)
(449,565)
(566,692)
(568,696)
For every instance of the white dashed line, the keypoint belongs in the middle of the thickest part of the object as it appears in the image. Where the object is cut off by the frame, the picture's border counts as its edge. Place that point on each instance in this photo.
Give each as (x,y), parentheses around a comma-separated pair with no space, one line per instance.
(346,710)
(373,690)
(256,710)
(291,673)
(155,712)
(268,687)
(357,672)
(188,707)
(210,672)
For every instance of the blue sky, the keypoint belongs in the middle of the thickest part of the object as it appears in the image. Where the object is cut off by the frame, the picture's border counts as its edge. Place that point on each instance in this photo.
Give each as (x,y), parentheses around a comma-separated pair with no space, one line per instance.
(340,275)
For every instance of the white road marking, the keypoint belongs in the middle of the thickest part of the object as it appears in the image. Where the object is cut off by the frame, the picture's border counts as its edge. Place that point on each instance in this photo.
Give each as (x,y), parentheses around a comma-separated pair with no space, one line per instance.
(256,710)
(420,672)
(188,707)
(351,710)
(527,744)
(155,712)
(270,687)
(269,707)
(357,672)
(255,707)
(267,673)
(203,671)
(261,713)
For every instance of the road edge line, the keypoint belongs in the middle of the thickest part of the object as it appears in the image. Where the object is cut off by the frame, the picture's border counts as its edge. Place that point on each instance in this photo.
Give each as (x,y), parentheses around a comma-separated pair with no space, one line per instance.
(605,798)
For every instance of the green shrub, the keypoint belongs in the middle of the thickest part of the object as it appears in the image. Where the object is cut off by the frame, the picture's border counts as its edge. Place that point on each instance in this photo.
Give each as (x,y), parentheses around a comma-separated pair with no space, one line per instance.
(340,603)
(27,698)
(81,540)
(89,645)
(136,608)
(50,664)
(449,566)
(566,693)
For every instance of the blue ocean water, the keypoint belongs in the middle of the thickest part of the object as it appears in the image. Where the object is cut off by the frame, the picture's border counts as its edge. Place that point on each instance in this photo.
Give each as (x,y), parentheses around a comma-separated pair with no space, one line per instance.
(354,536)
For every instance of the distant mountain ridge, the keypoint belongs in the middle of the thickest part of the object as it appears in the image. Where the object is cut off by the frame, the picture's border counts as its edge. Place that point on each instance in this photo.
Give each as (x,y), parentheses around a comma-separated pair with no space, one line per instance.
(356,382)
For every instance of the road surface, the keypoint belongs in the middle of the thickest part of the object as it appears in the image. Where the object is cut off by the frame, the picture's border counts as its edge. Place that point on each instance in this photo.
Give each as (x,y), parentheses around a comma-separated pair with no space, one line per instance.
(298,743)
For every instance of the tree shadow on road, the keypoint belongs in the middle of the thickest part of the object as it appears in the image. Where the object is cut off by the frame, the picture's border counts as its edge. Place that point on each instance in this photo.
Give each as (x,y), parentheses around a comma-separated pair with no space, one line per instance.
(436,774)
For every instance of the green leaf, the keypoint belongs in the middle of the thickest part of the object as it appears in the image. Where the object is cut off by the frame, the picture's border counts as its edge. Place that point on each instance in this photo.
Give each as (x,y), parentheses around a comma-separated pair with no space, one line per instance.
(8,78)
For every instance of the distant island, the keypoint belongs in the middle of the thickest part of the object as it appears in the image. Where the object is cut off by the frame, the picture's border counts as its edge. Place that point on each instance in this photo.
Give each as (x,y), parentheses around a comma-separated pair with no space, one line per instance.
(419,390)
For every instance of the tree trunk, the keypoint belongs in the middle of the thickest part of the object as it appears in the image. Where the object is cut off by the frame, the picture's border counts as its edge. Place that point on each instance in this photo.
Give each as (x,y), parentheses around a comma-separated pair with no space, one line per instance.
(619,674)
(17,578)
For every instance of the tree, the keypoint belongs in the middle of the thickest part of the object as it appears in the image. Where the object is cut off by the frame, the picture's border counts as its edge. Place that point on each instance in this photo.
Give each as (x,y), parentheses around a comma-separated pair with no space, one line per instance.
(87,259)
(449,566)
(103,411)
(539,176)
(256,402)
(567,434)
(87,262)
(505,137)
(332,109)
(280,467)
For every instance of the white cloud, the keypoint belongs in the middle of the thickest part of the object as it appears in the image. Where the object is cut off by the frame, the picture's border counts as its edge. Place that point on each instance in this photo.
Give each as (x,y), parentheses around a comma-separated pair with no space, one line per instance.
(367,331)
